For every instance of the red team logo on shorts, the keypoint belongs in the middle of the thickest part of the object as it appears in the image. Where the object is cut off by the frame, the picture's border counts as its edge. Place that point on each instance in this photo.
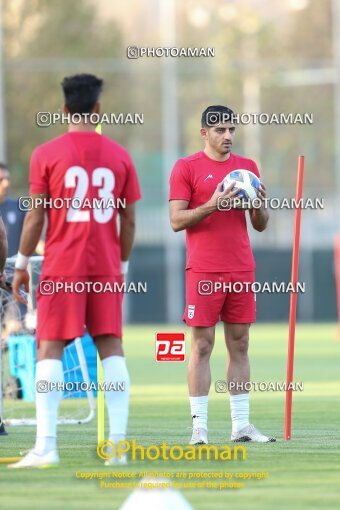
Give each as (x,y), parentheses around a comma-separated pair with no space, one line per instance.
(170,347)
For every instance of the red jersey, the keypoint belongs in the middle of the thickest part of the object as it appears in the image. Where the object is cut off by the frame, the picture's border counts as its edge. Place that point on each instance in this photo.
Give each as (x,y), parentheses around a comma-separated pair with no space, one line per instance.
(83,168)
(220,242)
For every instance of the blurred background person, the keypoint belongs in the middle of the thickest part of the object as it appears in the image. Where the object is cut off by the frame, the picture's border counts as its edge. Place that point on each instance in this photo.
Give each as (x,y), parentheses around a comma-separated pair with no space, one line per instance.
(12,216)
(12,222)
(3,256)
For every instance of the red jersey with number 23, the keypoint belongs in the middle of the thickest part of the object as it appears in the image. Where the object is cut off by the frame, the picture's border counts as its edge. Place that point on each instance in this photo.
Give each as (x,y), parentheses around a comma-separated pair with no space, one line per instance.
(220,242)
(83,241)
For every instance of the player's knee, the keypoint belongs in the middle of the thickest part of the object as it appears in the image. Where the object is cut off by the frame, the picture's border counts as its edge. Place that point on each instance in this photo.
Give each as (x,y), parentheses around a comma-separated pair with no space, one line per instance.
(108,345)
(50,350)
(239,345)
(202,347)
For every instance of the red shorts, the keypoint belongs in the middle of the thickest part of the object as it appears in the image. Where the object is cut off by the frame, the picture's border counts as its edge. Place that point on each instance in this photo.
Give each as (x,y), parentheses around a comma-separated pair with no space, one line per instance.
(64,314)
(211,297)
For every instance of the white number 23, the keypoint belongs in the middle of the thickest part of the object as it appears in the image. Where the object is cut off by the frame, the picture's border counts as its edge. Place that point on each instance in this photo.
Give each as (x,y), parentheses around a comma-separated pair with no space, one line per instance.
(77,177)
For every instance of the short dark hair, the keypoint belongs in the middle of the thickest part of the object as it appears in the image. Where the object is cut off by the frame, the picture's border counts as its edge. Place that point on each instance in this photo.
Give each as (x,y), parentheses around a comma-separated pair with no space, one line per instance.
(3,166)
(81,92)
(222,112)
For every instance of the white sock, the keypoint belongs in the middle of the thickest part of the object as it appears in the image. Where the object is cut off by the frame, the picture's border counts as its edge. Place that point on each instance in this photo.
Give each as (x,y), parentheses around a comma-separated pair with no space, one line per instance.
(199,411)
(239,406)
(117,402)
(47,404)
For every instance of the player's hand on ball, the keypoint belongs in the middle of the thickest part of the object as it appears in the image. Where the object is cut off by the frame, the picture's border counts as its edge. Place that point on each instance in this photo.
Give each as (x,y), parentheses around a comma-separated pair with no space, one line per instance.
(262,192)
(222,199)
(21,278)
(247,204)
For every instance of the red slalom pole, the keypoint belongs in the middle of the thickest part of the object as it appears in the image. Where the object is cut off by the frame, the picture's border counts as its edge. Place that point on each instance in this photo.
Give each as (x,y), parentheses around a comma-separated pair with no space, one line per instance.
(293,300)
(337,276)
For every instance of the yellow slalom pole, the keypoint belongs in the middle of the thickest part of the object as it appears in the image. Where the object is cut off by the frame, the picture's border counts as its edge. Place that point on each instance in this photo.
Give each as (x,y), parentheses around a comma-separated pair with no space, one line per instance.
(100,402)
(9,460)
(100,379)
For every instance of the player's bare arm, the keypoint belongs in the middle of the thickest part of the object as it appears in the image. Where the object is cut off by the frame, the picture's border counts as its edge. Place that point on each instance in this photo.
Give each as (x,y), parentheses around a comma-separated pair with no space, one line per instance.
(3,252)
(33,225)
(259,216)
(30,236)
(127,230)
(181,217)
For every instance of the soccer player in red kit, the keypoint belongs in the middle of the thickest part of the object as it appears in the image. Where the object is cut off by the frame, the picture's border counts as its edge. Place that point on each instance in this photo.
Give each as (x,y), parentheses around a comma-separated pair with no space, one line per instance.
(218,251)
(83,244)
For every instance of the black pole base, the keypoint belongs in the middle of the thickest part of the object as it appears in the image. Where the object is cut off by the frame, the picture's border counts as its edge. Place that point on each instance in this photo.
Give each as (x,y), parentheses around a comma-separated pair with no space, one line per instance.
(2,429)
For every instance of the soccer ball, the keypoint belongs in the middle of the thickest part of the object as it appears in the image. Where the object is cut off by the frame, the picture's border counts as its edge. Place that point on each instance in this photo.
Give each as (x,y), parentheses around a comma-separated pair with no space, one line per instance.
(246,182)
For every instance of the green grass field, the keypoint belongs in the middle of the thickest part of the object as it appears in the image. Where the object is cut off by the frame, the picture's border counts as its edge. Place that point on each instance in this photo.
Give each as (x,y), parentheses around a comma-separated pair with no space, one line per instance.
(303,473)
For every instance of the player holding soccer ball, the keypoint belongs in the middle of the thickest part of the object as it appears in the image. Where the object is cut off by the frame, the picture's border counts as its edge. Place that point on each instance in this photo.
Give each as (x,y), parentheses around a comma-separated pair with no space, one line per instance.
(82,244)
(218,251)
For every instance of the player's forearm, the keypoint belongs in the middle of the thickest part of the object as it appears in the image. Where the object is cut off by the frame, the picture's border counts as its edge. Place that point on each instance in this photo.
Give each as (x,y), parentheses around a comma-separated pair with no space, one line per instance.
(31,233)
(127,237)
(259,218)
(3,246)
(186,218)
